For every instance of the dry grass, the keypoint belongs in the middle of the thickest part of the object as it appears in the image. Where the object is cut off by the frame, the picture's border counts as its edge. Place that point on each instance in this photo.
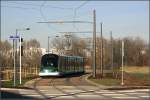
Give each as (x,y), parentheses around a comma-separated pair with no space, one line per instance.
(137,69)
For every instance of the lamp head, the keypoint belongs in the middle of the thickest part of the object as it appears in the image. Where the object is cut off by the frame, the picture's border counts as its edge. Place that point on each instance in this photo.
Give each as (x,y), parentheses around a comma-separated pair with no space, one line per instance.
(27,28)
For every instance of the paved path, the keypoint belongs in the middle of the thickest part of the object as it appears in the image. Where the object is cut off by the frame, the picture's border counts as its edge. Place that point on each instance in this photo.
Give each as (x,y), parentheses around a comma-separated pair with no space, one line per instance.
(75,88)
(84,93)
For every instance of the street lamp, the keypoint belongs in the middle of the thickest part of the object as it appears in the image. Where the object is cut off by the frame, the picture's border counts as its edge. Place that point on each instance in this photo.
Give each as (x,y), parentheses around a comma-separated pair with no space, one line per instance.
(20,46)
(48,45)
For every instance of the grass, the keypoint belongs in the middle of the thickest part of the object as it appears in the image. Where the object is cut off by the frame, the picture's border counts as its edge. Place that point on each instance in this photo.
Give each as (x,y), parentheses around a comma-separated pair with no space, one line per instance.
(107,81)
(135,69)
(139,75)
(10,83)
(142,76)
(141,72)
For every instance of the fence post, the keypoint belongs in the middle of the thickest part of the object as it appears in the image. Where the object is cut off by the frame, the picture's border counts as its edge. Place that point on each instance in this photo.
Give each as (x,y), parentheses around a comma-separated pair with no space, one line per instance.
(25,72)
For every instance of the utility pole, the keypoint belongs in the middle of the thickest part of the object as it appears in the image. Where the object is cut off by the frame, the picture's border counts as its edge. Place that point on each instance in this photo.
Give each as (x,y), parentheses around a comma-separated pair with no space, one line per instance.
(111,38)
(14,55)
(16,63)
(20,56)
(122,76)
(101,51)
(94,43)
(0,36)
(48,45)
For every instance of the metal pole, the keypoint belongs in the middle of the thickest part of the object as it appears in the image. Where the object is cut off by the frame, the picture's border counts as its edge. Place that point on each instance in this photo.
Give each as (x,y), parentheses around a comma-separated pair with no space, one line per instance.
(16,51)
(20,57)
(101,50)
(122,83)
(0,36)
(94,43)
(14,63)
(48,44)
(111,51)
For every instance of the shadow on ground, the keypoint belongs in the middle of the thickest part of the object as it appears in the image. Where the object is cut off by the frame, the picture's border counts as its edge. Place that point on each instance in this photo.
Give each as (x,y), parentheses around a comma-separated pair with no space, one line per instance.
(5,95)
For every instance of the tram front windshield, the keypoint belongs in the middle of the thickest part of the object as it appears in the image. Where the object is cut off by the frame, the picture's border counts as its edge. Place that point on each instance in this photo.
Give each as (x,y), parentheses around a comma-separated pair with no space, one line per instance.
(49,62)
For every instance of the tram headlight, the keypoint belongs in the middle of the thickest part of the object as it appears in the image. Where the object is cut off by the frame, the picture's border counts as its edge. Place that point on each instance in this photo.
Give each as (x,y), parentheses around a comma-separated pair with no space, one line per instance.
(46,71)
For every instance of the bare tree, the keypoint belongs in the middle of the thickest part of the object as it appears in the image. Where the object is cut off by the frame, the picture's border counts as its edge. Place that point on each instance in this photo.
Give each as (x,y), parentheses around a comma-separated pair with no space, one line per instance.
(5,54)
(71,45)
(133,51)
(32,53)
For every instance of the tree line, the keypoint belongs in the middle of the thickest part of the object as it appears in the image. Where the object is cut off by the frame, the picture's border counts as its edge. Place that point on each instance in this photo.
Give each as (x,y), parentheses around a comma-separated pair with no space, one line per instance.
(135,51)
(31,54)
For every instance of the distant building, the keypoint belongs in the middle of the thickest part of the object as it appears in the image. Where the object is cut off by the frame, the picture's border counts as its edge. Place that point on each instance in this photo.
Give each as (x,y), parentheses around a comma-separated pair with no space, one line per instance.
(29,51)
(43,51)
(56,51)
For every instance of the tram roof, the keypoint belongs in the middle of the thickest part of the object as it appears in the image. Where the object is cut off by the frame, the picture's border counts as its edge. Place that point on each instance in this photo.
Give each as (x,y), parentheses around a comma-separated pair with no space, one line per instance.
(64,55)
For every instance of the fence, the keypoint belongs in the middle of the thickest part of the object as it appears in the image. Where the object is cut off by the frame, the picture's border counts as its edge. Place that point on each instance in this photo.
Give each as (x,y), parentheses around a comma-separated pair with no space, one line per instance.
(7,73)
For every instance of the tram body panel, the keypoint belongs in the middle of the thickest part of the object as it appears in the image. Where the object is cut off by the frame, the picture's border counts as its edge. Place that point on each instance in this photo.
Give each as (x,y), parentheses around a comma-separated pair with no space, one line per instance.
(55,65)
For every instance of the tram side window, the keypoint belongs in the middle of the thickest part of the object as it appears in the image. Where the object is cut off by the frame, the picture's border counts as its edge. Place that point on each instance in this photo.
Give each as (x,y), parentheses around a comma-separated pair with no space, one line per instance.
(80,63)
(71,64)
(76,65)
(72,68)
(65,63)
(61,64)
(67,60)
(83,64)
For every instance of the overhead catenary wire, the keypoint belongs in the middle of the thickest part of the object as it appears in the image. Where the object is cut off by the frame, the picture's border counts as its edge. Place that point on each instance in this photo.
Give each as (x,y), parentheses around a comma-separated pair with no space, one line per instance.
(43,16)
(60,21)
(35,7)
(75,12)
(24,8)
(51,6)
(38,7)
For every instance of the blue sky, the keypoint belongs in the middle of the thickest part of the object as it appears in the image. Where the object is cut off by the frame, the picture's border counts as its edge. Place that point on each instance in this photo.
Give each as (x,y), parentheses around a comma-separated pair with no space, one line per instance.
(123,18)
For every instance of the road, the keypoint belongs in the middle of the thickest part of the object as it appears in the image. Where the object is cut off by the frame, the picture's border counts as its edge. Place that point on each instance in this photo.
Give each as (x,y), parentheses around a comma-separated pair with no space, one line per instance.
(76,88)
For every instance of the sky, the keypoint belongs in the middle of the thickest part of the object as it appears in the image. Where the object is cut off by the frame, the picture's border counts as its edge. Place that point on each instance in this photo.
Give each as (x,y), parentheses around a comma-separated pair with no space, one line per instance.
(123,18)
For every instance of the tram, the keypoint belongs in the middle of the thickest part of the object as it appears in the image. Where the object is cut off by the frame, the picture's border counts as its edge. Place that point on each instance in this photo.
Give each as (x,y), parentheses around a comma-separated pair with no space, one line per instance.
(58,65)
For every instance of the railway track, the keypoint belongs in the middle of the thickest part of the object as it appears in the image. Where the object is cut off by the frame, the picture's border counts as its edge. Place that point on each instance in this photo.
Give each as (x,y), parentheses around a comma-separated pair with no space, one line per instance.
(76,88)
(76,82)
